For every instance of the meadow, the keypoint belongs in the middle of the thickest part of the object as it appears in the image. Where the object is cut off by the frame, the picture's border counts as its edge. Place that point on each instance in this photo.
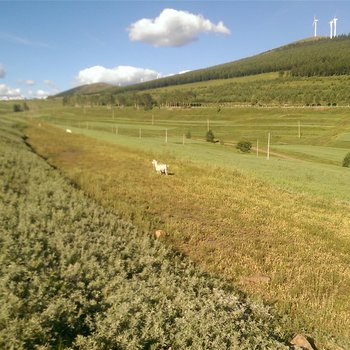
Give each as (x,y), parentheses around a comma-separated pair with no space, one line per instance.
(277,229)
(319,141)
(74,275)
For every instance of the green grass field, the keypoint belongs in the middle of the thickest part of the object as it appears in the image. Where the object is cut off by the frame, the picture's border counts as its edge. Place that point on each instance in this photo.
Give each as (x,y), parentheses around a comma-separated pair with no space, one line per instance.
(76,276)
(243,217)
(311,163)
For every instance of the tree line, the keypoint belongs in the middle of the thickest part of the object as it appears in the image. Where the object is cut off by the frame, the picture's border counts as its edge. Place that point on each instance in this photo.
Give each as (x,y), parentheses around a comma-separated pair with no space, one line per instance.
(280,90)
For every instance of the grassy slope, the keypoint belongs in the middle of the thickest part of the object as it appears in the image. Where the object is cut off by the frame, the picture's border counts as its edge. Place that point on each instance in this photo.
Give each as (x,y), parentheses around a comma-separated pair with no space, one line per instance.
(319,128)
(229,223)
(74,275)
(308,58)
(267,89)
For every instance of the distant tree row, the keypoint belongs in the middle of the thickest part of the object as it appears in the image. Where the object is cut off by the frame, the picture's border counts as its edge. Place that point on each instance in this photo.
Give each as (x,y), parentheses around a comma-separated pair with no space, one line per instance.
(284,89)
(176,98)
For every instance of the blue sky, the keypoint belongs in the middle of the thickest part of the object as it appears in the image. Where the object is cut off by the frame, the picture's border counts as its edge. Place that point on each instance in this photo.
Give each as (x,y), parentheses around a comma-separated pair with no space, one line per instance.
(51,46)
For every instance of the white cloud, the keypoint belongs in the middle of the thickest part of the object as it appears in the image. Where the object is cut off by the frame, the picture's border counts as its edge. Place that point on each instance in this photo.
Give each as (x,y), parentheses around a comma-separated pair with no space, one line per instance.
(173,28)
(26,82)
(41,94)
(2,71)
(121,75)
(7,93)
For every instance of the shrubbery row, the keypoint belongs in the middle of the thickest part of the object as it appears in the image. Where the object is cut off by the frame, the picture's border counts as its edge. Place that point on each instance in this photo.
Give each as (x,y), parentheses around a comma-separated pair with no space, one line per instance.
(74,276)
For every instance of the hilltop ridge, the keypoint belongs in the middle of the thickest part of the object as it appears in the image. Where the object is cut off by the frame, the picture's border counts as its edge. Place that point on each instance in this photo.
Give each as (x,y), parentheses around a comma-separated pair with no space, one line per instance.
(311,71)
(318,56)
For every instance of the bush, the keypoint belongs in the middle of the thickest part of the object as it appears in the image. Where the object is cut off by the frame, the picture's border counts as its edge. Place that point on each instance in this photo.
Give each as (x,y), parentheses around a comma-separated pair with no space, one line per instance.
(210,136)
(17,107)
(244,146)
(188,134)
(346,161)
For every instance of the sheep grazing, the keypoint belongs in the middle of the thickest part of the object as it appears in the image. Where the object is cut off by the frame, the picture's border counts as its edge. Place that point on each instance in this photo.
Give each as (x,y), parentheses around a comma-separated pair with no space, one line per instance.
(69,131)
(160,168)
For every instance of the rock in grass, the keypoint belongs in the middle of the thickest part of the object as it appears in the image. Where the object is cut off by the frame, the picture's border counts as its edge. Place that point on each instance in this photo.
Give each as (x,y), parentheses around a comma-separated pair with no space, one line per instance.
(302,342)
(159,233)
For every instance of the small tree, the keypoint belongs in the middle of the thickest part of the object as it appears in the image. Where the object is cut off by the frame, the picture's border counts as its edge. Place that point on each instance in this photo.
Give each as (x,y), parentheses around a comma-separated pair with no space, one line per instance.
(188,134)
(17,107)
(346,161)
(210,136)
(244,146)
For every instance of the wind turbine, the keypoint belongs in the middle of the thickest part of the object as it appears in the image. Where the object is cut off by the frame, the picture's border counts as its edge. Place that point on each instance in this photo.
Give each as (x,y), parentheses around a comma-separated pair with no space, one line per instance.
(331,27)
(335,26)
(315,25)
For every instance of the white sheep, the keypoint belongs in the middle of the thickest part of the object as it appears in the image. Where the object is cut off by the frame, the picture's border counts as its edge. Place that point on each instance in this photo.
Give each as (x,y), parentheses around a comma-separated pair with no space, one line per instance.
(69,131)
(160,168)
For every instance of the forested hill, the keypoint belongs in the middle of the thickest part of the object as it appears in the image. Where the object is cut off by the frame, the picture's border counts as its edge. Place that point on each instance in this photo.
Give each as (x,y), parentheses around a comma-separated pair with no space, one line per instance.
(318,57)
(310,57)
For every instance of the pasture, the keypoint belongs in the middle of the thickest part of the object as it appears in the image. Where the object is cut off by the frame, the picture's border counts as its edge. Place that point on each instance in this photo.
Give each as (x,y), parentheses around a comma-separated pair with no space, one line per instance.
(278,228)
(76,276)
(309,163)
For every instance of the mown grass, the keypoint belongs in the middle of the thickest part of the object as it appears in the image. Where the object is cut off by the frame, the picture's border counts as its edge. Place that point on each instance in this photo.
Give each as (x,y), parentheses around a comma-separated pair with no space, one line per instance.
(290,174)
(321,154)
(289,248)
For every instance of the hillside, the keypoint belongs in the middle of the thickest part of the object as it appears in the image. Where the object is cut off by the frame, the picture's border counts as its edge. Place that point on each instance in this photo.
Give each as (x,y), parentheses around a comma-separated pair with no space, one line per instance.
(86,89)
(320,57)
(76,276)
(237,215)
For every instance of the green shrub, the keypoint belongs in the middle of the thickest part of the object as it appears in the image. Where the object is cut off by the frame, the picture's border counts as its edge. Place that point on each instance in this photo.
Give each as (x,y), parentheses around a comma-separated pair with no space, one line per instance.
(210,136)
(346,161)
(244,146)
(17,107)
(188,134)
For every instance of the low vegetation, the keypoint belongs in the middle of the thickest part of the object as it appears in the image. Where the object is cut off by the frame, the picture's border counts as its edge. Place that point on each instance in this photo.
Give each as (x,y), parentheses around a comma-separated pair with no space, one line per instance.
(20,107)
(278,230)
(244,146)
(76,276)
(287,247)
(346,161)
(209,136)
